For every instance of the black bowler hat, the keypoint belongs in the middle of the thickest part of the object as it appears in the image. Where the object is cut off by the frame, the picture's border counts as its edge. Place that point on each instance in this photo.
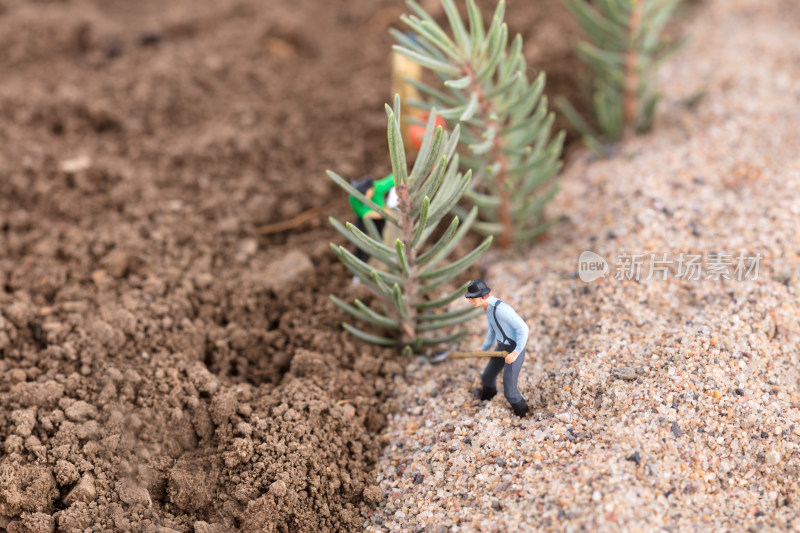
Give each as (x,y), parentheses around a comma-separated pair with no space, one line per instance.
(362,185)
(477,289)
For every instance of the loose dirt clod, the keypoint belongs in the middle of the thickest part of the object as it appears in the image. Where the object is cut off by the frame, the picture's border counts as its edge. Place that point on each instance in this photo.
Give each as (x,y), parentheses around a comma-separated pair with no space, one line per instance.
(80,411)
(32,523)
(30,488)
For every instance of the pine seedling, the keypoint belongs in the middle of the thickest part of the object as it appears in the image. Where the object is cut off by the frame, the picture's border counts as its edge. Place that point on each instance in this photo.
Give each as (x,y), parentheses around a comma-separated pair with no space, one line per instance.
(413,267)
(623,52)
(506,124)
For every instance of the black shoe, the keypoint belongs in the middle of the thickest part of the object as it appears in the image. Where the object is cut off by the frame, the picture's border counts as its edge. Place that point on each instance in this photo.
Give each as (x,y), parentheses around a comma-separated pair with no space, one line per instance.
(520,408)
(487,393)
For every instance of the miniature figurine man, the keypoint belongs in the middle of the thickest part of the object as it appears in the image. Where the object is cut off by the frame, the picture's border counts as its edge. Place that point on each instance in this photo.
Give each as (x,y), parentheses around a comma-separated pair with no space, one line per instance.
(511,334)
(383,194)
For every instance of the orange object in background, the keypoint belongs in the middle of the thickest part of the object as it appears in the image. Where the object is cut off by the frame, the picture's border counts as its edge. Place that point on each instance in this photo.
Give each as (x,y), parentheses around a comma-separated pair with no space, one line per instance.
(403,69)
(416,132)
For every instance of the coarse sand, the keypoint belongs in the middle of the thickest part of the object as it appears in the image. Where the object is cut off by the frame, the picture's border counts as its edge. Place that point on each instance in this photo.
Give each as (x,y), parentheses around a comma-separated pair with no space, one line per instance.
(661,404)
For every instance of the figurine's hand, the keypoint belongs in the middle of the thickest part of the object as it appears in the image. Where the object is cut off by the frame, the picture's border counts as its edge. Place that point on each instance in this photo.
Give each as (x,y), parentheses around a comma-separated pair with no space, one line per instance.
(511,357)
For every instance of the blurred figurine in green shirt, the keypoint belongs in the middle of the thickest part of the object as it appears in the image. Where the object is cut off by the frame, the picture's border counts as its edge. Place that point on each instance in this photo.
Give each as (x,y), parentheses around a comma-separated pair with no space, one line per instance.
(384,195)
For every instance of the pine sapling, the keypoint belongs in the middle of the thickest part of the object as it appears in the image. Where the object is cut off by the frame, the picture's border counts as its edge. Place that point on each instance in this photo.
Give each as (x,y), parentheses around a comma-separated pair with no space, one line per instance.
(506,124)
(623,52)
(413,269)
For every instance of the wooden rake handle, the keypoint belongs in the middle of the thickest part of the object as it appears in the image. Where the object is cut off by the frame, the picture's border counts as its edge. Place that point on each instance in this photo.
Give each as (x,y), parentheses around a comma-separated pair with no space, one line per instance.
(466,355)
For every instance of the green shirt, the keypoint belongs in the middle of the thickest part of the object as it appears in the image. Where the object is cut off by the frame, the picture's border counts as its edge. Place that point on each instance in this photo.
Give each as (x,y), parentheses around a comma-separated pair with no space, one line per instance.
(382,188)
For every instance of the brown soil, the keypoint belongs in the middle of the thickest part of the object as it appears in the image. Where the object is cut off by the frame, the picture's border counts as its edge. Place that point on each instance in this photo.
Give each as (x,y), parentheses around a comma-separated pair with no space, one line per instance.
(165,366)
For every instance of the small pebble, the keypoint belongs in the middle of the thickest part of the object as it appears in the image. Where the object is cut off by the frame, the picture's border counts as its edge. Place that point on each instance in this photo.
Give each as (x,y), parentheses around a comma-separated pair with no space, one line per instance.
(626,373)
(84,491)
(502,486)
(772,457)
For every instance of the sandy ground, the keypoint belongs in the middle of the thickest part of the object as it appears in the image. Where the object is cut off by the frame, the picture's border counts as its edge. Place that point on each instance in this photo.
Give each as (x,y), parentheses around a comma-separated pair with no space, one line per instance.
(662,404)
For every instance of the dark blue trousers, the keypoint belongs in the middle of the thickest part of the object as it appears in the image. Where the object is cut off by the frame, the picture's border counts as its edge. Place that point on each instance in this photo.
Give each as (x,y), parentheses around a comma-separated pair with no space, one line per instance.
(510,375)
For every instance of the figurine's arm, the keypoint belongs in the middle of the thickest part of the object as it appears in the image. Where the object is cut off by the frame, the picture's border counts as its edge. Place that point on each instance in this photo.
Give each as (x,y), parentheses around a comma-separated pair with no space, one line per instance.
(487,343)
(520,329)
(384,188)
(518,326)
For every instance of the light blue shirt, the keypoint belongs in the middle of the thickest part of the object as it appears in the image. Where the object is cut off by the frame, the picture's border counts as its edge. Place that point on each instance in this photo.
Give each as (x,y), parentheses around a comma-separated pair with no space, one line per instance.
(512,324)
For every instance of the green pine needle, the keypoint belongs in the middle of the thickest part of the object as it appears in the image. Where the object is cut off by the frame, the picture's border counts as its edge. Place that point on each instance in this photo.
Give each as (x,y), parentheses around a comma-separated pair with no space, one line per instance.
(504,116)
(623,50)
(427,195)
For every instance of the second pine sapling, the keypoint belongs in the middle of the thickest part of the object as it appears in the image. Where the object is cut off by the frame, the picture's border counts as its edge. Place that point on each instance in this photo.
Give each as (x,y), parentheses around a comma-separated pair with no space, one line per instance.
(506,122)
(623,51)
(414,268)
